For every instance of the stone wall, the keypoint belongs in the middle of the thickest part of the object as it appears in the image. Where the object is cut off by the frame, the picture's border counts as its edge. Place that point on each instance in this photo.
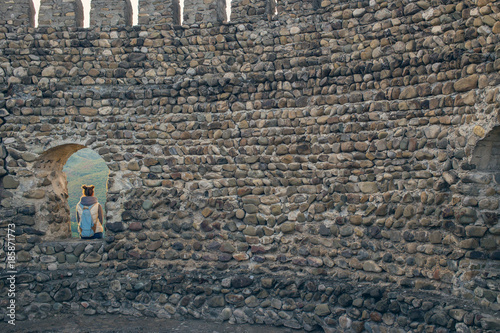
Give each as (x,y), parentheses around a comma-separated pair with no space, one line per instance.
(57,13)
(16,12)
(321,170)
(296,8)
(250,10)
(204,11)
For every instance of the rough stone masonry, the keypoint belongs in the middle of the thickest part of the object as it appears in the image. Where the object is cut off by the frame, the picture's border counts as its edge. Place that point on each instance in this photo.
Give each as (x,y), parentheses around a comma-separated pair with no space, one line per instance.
(321,165)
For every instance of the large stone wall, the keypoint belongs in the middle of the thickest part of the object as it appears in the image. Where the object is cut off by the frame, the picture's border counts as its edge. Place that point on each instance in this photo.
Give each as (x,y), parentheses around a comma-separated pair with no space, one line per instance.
(320,170)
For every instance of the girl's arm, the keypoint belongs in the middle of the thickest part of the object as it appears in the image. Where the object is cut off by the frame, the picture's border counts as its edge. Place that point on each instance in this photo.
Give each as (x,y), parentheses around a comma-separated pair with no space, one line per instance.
(100,214)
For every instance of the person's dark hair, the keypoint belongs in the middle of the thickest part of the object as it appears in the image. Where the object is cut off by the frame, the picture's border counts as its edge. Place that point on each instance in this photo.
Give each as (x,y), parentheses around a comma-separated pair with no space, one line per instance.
(88,191)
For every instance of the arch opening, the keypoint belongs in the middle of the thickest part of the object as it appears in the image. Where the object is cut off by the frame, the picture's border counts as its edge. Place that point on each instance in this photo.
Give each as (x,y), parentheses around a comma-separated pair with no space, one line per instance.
(486,179)
(486,155)
(64,169)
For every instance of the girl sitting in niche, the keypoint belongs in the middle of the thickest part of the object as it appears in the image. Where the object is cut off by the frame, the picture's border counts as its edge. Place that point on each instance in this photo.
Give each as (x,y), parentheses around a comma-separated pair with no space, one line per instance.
(89,215)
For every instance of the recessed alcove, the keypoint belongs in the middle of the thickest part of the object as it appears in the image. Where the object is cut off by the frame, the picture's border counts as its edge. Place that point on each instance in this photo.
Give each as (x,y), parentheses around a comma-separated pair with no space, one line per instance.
(486,155)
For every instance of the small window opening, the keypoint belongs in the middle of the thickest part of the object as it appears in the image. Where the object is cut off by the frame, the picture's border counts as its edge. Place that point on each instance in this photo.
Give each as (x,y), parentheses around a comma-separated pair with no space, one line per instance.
(85,167)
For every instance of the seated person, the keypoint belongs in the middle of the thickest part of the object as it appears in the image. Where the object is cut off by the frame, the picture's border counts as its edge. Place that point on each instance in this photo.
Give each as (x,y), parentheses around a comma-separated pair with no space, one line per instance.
(89,215)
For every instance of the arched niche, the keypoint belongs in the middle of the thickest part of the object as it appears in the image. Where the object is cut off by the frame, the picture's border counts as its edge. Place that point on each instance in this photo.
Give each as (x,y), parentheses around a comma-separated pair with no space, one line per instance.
(486,155)
(485,177)
(17,13)
(53,211)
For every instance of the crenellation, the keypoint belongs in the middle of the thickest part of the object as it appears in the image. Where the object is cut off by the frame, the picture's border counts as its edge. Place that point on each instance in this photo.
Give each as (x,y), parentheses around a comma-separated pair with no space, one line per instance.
(70,13)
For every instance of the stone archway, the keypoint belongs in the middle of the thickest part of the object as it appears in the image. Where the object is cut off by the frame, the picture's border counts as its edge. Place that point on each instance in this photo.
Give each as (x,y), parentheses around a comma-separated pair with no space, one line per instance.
(484,182)
(53,213)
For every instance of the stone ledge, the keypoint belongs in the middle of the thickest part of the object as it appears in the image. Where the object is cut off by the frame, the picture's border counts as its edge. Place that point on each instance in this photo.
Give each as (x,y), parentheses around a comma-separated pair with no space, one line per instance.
(72,241)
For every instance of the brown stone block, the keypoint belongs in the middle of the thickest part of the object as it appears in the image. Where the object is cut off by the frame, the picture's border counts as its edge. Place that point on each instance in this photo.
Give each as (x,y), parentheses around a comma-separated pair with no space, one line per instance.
(466,83)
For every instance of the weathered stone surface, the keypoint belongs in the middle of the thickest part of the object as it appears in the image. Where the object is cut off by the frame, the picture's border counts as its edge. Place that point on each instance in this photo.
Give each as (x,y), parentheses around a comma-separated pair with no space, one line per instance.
(371,266)
(466,83)
(10,182)
(63,295)
(23,256)
(288,227)
(322,310)
(368,187)
(320,167)
(475,231)
(216,301)
(241,281)
(147,204)
(92,257)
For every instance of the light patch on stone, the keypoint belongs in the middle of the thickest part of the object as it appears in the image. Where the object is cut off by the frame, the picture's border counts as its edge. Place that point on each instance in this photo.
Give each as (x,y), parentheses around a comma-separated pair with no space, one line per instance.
(479,131)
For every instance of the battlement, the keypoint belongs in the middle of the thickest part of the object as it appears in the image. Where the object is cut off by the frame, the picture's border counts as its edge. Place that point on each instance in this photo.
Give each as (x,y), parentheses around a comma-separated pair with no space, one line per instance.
(60,13)
(68,13)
